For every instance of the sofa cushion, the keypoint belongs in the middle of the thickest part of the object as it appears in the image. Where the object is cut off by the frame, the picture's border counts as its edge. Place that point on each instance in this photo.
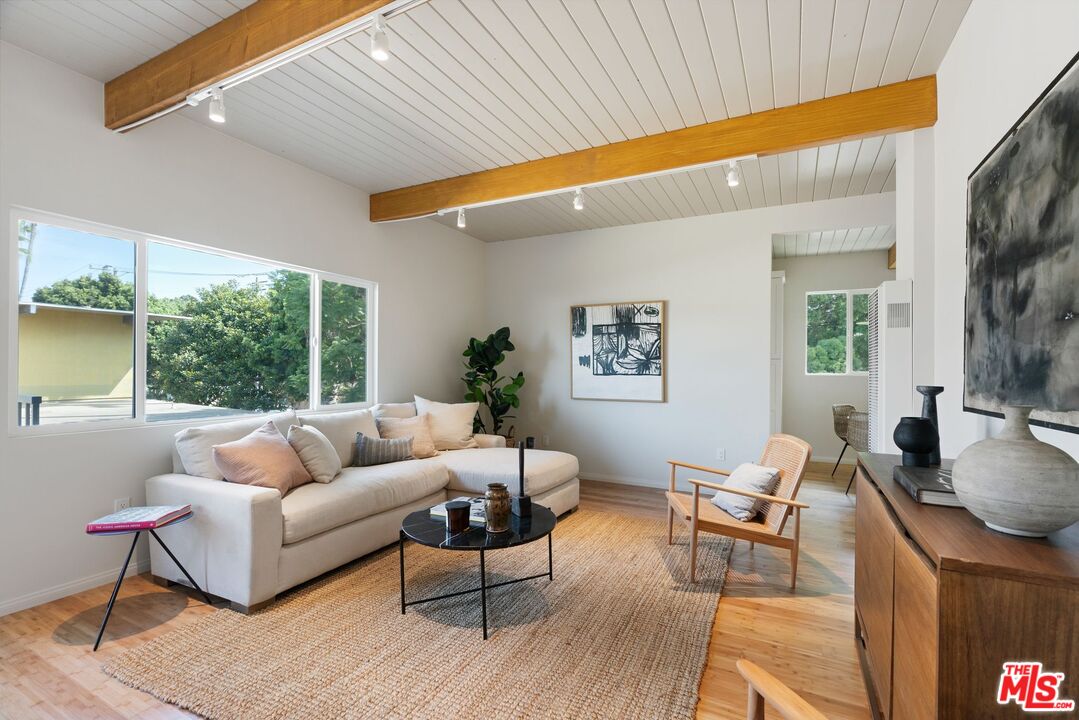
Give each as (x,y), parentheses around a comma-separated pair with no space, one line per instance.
(450,423)
(340,429)
(356,493)
(262,458)
(471,470)
(195,445)
(316,452)
(394,410)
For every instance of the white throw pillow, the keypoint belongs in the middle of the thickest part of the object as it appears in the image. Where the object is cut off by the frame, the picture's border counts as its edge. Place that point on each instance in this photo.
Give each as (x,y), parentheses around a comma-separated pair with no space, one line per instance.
(450,423)
(746,476)
(195,445)
(340,429)
(316,452)
(394,410)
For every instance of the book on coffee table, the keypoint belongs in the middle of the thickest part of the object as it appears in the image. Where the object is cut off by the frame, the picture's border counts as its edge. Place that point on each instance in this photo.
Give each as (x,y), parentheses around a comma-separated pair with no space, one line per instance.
(476,514)
(927,485)
(138,518)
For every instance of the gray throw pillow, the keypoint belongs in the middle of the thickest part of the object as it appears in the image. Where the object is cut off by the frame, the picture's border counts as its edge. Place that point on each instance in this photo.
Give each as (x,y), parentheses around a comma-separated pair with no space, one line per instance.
(372,451)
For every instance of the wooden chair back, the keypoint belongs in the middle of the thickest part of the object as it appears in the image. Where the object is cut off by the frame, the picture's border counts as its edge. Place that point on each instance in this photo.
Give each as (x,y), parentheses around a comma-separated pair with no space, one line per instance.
(791,455)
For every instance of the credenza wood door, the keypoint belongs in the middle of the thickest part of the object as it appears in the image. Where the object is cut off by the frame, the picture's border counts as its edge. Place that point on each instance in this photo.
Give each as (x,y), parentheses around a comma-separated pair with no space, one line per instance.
(874,537)
(915,634)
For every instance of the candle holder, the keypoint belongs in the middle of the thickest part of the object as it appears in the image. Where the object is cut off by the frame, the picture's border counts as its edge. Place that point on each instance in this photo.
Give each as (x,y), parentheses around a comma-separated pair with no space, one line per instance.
(521,506)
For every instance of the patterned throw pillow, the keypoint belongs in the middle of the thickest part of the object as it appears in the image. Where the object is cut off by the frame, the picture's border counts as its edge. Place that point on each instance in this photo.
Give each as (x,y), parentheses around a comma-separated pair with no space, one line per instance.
(369,451)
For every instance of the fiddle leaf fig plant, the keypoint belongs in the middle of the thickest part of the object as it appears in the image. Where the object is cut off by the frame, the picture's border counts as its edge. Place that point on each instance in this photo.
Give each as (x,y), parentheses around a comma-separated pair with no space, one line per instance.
(485,386)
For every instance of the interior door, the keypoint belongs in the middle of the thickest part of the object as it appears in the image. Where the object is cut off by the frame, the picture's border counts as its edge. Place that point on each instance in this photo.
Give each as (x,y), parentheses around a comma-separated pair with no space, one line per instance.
(775,422)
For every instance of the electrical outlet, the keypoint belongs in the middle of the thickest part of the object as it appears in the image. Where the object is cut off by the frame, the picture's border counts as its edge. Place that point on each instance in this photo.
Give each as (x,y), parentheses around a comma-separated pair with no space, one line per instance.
(546,441)
(121,504)
(721,454)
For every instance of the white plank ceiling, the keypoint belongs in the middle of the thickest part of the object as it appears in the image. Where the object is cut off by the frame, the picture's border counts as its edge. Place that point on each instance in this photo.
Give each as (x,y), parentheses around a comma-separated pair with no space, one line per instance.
(830,242)
(477,84)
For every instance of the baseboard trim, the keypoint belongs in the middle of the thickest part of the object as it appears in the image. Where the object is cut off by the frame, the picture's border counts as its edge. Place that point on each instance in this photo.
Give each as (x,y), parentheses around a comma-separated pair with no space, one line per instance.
(56,592)
(622,480)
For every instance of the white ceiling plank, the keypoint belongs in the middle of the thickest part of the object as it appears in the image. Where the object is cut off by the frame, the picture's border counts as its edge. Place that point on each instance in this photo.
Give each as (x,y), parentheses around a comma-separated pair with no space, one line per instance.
(847,30)
(807,173)
(791,243)
(909,33)
(889,182)
(769,165)
(947,16)
(221,8)
(697,53)
(71,45)
(422,99)
(632,197)
(882,166)
(742,201)
(145,20)
(880,25)
(788,177)
(813,242)
(801,244)
(118,27)
(565,32)
(777,246)
(559,65)
(196,11)
(708,193)
(751,178)
(691,193)
(663,203)
(827,158)
(658,26)
(844,167)
(718,181)
(722,28)
(863,166)
(622,21)
(817,19)
(170,14)
(456,41)
(756,56)
(681,203)
(784,27)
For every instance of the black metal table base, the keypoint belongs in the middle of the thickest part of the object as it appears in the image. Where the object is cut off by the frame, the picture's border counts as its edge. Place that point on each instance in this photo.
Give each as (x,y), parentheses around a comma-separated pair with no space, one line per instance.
(123,571)
(482,589)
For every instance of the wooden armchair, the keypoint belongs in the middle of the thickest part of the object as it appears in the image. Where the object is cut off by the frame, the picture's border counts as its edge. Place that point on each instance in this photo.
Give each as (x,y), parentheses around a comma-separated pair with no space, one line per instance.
(764,686)
(786,452)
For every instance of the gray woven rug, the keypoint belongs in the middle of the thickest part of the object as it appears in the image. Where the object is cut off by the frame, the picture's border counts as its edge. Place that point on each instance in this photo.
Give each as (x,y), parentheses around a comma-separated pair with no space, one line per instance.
(619,633)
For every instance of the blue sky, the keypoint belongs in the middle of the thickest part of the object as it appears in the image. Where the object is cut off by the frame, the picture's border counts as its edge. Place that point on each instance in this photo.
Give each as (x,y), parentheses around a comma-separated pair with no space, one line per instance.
(61,254)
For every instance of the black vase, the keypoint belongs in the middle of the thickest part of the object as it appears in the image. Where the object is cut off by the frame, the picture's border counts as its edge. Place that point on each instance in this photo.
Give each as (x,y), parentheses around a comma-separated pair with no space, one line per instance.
(916,437)
(929,411)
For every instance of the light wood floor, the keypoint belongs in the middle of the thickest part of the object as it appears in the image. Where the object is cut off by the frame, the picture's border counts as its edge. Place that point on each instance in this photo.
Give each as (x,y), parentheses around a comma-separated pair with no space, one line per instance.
(805,638)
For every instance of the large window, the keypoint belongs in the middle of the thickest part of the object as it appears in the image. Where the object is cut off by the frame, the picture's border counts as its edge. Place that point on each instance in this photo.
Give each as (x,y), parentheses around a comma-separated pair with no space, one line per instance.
(837,333)
(116,326)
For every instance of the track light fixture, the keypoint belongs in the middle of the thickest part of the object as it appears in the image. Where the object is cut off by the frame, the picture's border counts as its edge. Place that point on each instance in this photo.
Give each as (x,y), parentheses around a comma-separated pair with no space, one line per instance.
(578,199)
(217,105)
(461,218)
(732,174)
(380,42)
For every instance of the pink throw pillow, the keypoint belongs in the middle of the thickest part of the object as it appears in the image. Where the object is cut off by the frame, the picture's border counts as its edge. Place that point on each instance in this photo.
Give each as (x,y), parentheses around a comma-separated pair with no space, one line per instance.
(263,458)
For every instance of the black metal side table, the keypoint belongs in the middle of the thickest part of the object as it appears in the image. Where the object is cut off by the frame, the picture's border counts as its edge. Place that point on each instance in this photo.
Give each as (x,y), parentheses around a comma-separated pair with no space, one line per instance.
(420,527)
(127,561)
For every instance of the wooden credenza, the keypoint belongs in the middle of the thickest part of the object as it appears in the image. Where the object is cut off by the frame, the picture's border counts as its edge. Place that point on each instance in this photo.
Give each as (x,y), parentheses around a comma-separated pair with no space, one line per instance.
(942,602)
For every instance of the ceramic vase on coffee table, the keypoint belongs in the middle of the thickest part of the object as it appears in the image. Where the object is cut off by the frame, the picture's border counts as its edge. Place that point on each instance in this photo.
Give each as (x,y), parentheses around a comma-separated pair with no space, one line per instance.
(1016,483)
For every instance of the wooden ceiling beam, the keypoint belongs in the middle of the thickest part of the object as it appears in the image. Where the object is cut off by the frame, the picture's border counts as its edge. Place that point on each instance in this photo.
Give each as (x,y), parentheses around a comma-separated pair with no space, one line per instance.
(889,109)
(251,36)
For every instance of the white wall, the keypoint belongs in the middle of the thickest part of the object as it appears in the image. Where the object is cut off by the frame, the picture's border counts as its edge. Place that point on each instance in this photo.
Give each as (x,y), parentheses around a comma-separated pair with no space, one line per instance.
(179,179)
(714,271)
(808,399)
(1003,57)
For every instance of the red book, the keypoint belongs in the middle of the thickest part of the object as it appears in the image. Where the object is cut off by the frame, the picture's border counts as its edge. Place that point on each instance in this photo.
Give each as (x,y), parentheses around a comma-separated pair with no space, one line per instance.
(138,518)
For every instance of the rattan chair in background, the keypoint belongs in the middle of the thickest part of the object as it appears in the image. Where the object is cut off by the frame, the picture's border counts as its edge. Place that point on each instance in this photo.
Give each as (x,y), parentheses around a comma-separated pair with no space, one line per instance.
(857,438)
(786,452)
(840,413)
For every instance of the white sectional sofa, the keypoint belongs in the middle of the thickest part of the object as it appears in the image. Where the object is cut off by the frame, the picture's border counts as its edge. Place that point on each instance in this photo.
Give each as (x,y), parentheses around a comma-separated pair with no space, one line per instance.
(247,544)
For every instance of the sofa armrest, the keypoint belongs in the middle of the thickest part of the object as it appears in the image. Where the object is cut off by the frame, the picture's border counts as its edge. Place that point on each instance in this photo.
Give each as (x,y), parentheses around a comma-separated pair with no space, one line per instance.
(231,546)
(490,441)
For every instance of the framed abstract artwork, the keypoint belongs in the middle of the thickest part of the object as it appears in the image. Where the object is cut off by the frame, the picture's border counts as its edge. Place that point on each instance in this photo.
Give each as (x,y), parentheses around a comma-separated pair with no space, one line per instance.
(1021,325)
(617,351)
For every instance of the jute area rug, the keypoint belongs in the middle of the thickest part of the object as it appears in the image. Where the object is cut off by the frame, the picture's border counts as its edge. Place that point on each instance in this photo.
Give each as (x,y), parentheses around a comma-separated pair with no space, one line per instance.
(619,633)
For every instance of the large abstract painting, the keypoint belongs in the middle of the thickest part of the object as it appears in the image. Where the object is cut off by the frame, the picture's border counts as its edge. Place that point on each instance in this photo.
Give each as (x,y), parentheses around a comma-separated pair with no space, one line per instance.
(1022,299)
(616,352)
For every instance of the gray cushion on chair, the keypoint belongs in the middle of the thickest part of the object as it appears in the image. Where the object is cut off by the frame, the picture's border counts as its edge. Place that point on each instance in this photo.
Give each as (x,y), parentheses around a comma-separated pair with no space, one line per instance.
(746,476)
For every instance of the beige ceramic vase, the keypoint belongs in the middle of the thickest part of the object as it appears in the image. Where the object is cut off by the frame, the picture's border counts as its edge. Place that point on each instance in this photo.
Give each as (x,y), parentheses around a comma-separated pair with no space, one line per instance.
(1016,483)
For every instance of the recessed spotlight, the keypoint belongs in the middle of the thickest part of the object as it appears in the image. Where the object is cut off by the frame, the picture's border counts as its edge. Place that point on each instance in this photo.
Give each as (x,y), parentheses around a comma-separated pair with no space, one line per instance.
(217,105)
(578,199)
(380,42)
(461,218)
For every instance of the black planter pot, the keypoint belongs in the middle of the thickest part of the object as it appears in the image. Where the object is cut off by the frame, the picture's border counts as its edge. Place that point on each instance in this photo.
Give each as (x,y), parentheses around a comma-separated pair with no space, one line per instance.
(916,437)
(929,411)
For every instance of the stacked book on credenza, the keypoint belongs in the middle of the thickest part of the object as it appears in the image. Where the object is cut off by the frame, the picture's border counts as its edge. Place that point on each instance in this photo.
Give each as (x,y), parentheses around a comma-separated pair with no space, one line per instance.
(928,485)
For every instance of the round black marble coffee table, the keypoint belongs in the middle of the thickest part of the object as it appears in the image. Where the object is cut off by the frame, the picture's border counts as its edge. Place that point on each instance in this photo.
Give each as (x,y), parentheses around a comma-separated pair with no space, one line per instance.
(420,527)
